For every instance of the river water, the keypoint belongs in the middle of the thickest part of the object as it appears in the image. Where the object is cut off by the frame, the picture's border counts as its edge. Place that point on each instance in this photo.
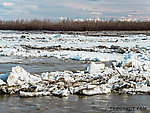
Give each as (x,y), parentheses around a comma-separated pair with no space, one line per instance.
(40,65)
(75,104)
(110,103)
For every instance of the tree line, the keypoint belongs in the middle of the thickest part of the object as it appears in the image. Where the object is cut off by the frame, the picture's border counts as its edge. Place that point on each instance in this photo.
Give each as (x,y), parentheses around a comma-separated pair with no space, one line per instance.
(69,25)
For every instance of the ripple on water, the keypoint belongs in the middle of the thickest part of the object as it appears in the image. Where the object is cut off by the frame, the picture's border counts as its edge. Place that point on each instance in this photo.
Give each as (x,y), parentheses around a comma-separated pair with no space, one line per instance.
(72,104)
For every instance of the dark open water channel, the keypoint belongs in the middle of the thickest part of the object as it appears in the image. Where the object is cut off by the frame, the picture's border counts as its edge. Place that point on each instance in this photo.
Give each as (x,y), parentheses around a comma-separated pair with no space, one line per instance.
(40,65)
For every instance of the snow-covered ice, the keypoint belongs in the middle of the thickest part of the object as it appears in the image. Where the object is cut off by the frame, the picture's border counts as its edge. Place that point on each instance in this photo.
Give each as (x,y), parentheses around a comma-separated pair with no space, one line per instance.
(128,72)
(76,47)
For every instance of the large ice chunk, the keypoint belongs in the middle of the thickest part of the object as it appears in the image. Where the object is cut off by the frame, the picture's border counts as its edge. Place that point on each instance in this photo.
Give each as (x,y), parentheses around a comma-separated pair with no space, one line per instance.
(102,89)
(95,68)
(2,82)
(19,76)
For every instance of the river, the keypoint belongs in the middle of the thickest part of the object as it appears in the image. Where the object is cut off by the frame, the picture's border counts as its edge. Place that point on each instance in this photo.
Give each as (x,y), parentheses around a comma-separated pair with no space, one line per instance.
(75,104)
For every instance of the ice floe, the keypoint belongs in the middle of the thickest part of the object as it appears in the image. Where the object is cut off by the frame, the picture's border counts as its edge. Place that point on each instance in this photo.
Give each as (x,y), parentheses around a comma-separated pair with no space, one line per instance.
(19,76)
(76,47)
(95,68)
(99,79)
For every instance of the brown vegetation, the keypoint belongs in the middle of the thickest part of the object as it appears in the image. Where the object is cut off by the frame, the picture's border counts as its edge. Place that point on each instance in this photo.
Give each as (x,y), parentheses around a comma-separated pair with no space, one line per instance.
(74,26)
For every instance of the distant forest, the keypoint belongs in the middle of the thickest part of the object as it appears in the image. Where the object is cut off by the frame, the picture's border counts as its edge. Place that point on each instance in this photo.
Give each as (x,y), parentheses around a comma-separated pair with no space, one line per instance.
(68,25)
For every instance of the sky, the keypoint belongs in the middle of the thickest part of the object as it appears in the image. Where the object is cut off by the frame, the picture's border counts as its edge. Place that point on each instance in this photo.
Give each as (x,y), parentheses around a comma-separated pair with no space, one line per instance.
(74,9)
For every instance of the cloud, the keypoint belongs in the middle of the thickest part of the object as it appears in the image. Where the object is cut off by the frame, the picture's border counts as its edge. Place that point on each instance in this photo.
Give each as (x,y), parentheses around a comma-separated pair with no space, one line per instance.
(96,13)
(74,8)
(134,12)
(18,11)
(14,12)
(93,0)
(8,4)
(32,7)
(137,12)
(63,18)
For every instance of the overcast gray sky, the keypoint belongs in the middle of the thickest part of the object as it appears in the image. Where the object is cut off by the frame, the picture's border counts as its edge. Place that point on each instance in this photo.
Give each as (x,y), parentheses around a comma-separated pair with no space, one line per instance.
(53,9)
